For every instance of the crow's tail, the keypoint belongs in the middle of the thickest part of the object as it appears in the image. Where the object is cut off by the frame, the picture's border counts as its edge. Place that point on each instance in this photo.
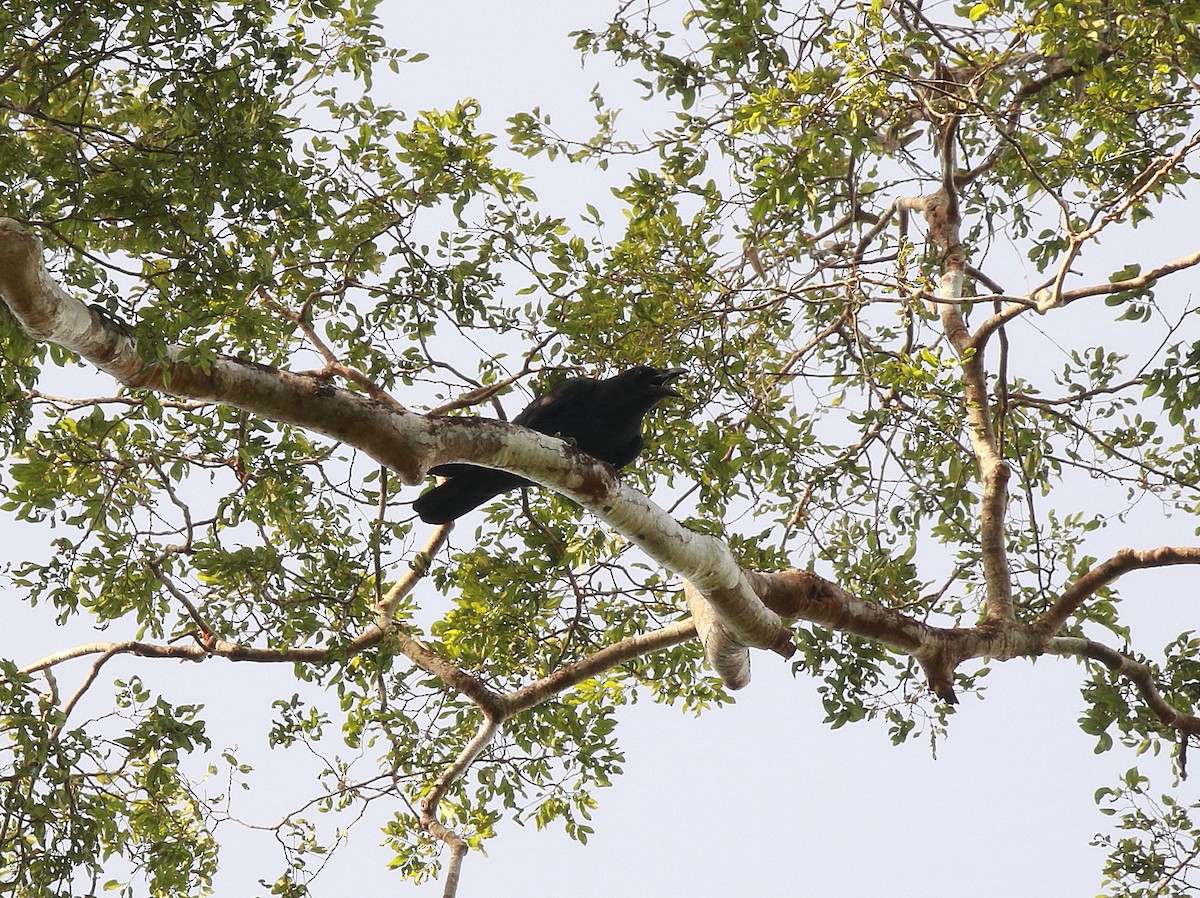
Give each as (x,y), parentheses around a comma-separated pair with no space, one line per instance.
(467,488)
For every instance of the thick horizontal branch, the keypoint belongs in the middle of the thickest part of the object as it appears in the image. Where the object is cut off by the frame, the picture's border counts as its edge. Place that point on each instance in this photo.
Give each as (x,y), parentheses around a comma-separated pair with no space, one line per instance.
(803,595)
(407,443)
(47,312)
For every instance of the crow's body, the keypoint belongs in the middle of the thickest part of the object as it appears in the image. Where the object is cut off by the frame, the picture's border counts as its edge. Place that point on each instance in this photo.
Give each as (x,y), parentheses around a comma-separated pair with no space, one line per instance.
(601,417)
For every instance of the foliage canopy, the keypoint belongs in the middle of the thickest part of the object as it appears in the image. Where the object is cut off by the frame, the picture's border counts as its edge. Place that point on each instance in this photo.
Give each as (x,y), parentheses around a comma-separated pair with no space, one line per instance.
(871,231)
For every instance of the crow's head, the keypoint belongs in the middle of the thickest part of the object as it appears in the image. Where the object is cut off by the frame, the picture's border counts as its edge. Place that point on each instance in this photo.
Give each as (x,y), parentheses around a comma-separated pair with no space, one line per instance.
(652,384)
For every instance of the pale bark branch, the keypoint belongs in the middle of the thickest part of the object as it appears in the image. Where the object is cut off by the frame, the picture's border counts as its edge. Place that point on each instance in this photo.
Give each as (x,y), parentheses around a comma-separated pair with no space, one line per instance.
(409,646)
(944,220)
(129,647)
(941,214)
(728,658)
(47,312)
(1139,188)
(79,693)
(418,567)
(1122,562)
(1138,673)
(431,822)
(1140,282)
(1044,299)
(1055,295)
(596,663)
(407,443)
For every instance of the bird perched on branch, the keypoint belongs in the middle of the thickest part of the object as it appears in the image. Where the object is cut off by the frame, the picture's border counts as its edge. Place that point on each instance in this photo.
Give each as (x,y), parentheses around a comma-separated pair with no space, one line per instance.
(601,417)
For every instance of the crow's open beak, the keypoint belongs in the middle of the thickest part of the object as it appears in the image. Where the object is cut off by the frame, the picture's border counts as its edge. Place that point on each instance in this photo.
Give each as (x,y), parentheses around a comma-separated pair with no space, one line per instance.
(663,380)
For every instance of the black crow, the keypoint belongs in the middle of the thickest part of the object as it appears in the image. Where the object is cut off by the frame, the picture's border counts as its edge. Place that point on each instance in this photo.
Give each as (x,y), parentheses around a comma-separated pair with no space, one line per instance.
(601,417)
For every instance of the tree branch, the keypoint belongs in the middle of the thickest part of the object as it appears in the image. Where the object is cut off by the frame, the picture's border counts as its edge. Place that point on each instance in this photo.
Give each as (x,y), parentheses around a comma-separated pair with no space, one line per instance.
(1122,562)
(726,656)
(1136,672)
(332,362)
(418,567)
(430,821)
(1046,300)
(407,443)
(596,663)
(803,595)
(409,646)
(79,693)
(941,214)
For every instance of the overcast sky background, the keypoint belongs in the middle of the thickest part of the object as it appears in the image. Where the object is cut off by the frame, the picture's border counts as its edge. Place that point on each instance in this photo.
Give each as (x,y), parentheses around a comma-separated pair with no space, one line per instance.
(756,798)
